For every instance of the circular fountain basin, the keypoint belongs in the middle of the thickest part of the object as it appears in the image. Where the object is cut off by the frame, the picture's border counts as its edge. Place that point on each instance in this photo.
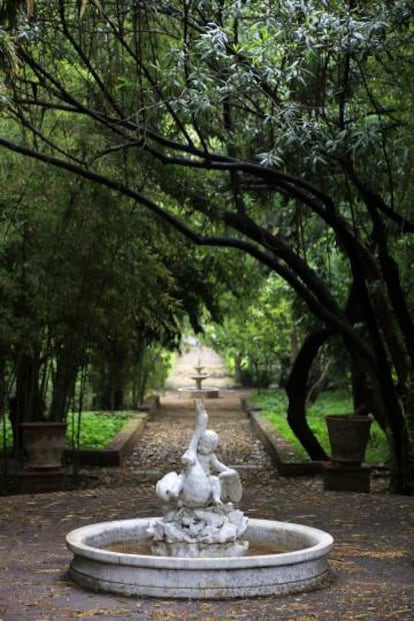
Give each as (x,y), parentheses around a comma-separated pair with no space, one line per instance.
(303,568)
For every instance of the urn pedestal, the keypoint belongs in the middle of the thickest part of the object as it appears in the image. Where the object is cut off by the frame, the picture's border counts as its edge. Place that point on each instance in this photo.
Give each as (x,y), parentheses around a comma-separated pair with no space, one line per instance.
(348,437)
(43,443)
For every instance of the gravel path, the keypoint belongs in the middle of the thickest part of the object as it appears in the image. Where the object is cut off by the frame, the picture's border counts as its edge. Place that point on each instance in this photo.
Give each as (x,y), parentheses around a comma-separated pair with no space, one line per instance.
(167,434)
(372,560)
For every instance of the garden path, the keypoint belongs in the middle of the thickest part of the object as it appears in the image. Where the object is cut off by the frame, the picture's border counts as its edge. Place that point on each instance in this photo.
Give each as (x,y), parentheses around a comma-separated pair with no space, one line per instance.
(372,560)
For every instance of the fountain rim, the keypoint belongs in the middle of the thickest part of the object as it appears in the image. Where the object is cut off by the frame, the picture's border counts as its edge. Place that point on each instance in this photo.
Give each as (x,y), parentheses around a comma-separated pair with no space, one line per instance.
(321,544)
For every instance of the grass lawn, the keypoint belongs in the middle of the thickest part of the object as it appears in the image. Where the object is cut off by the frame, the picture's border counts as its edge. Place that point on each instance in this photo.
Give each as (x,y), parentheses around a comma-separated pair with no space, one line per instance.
(274,408)
(97,429)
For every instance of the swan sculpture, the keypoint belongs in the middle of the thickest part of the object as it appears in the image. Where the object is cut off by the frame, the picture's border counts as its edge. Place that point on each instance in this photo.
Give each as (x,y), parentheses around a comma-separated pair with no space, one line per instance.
(206,480)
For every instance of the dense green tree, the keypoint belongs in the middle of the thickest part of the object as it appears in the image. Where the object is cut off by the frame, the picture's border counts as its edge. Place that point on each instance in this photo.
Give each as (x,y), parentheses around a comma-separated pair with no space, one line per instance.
(86,280)
(257,331)
(265,128)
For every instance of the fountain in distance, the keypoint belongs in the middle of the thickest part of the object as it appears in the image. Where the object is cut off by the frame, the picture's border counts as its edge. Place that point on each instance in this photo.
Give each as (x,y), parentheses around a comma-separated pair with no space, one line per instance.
(200,391)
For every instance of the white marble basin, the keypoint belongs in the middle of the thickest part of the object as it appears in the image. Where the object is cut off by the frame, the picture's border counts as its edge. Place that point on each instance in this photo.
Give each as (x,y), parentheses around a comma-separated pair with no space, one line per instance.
(302,569)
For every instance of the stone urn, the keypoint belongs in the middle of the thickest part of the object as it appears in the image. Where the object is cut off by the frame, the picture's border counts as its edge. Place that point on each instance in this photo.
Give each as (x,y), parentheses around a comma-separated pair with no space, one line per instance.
(348,436)
(44,443)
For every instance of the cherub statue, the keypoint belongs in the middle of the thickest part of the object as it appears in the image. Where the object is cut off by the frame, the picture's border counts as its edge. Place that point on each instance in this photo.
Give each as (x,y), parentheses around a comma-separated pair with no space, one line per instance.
(198,520)
(206,480)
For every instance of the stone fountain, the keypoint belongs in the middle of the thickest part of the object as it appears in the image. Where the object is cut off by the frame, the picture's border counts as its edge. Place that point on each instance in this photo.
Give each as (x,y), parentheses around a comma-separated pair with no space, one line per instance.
(203,547)
(198,391)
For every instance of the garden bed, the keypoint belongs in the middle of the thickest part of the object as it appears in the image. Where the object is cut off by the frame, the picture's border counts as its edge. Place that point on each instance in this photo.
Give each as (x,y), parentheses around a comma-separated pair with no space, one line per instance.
(118,448)
(267,413)
(281,452)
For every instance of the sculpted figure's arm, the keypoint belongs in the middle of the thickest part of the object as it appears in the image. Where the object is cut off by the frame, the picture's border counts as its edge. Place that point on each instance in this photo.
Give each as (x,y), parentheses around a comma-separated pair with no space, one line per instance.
(190,456)
(229,480)
(218,466)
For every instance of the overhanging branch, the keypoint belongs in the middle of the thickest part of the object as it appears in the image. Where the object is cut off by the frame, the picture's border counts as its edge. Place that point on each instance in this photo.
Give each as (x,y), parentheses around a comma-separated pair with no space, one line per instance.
(325,314)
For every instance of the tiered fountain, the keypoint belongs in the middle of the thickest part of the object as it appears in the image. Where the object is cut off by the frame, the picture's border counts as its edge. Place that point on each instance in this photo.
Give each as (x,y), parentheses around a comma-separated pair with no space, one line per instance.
(203,547)
(198,391)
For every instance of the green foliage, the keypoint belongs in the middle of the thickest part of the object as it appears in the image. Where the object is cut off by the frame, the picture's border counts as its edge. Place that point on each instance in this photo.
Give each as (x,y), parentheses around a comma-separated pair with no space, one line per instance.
(153,371)
(80,273)
(96,428)
(274,406)
(256,332)
(85,277)
(6,434)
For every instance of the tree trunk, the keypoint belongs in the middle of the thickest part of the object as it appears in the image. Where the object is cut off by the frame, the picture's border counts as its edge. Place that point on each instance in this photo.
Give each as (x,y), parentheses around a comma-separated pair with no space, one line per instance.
(237,369)
(402,458)
(63,386)
(296,389)
(27,405)
(109,384)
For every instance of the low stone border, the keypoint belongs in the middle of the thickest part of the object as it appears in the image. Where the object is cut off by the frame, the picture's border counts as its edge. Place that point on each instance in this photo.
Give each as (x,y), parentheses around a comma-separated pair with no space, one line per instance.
(119,447)
(273,445)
